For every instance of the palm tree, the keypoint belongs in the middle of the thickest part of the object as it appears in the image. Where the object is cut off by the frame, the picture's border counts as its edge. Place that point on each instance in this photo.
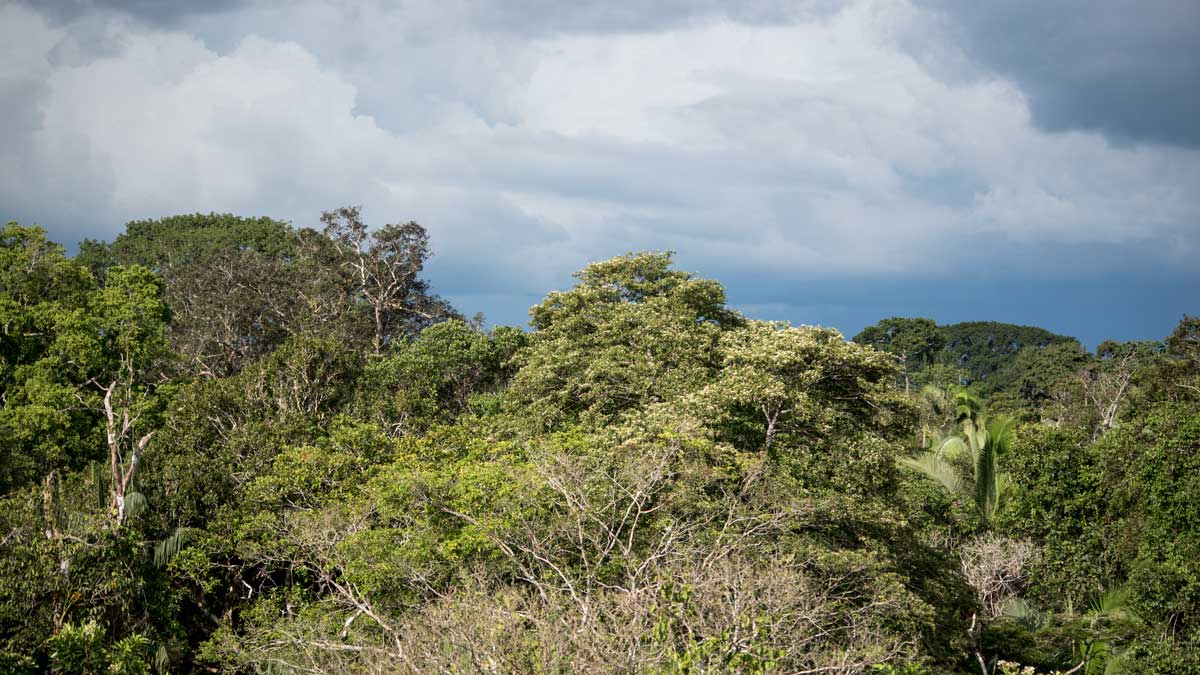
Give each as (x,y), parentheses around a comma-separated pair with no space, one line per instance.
(1100,654)
(968,463)
(940,408)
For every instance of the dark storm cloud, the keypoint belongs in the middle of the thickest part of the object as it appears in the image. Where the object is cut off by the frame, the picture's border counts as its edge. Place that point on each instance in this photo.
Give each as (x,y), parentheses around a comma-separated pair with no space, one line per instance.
(163,12)
(1128,69)
(829,166)
(527,17)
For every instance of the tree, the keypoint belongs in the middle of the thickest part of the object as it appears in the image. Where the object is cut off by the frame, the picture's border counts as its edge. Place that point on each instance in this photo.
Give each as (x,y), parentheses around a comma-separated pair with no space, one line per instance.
(1178,371)
(385,265)
(240,287)
(983,347)
(237,287)
(133,321)
(450,369)
(809,400)
(1027,384)
(915,340)
(80,404)
(1107,383)
(42,427)
(975,453)
(114,347)
(632,332)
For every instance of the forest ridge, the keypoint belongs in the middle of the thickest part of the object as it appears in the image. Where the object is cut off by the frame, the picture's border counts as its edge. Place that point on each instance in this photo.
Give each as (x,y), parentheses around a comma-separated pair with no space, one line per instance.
(232,445)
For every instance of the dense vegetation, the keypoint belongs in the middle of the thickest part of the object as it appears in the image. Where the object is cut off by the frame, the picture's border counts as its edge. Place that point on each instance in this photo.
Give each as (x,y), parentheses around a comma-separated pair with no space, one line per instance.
(234,445)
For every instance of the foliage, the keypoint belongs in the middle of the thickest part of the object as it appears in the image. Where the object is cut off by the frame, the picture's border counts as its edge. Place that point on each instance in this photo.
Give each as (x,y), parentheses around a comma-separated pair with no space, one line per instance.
(984,347)
(909,340)
(822,407)
(383,266)
(631,333)
(1032,378)
(969,463)
(240,287)
(236,446)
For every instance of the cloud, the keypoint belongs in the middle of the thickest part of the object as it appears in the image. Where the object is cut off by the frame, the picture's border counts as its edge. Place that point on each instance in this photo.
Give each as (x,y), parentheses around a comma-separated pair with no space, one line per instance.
(520,17)
(1130,70)
(777,155)
(152,11)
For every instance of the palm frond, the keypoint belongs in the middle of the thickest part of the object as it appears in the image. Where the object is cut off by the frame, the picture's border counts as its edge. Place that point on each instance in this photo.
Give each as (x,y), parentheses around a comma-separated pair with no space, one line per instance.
(976,437)
(135,504)
(162,660)
(951,448)
(986,486)
(937,398)
(1001,433)
(1115,603)
(966,405)
(1004,486)
(1022,612)
(936,468)
(167,549)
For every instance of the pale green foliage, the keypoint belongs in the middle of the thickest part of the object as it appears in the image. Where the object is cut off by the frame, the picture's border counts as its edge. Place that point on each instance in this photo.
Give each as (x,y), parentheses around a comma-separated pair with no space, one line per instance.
(938,469)
(817,404)
(81,650)
(772,368)
(633,332)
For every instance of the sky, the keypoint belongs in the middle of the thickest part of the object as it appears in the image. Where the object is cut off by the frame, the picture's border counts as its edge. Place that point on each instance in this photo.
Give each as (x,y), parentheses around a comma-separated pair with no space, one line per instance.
(831,163)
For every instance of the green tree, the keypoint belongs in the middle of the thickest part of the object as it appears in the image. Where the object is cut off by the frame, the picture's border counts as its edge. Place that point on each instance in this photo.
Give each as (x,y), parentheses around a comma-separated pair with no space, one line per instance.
(42,424)
(983,347)
(811,401)
(231,282)
(1028,383)
(1176,375)
(913,342)
(632,332)
(449,370)
(128,333)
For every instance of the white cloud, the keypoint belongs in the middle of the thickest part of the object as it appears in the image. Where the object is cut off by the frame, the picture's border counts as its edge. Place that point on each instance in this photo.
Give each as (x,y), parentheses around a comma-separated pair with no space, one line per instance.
(817,147)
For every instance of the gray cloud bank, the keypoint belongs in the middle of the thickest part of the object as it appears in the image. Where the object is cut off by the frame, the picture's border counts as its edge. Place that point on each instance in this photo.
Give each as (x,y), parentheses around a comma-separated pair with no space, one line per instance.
(1127,68)
(864,142)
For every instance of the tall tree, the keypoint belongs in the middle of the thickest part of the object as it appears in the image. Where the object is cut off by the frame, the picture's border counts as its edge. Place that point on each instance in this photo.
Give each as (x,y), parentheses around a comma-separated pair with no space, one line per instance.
(130,328)
(385,265)
(912,341)
(983,347)
(232,283)
(633,331)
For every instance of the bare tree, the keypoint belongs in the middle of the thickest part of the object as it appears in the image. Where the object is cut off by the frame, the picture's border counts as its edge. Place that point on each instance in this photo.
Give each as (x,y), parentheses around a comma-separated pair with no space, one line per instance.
(124,452)
(996,567)
(385,265)
(1104,390)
